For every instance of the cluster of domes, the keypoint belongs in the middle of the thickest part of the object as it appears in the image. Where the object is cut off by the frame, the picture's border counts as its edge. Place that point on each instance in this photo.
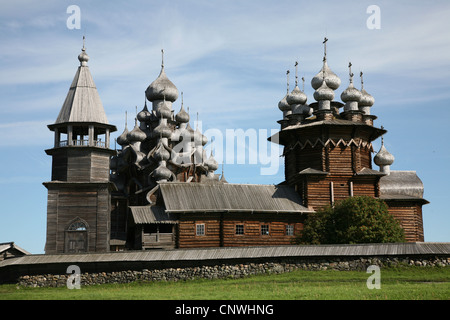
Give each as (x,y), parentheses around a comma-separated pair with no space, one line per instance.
(325,83)
(162,144)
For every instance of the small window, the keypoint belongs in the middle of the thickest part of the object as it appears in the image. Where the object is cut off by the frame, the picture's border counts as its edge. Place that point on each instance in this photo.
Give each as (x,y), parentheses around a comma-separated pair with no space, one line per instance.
(77,226)
(239,229)
(289,230)
(200,229)
(265,229)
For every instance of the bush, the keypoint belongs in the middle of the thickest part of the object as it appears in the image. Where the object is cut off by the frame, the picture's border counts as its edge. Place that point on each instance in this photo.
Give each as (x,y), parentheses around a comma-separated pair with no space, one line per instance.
(360,219)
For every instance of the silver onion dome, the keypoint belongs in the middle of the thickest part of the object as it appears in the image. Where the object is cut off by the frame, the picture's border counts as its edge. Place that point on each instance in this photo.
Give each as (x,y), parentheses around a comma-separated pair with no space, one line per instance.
(144,115)
(164,111)
(161,173)
(162,130)
(212,164)
(351,94)
(136,134)
(383,157)
(122,139)
(297,96)
(83,56)
(366,99)
(182,116)
(162,87)
(283,105)
(331,79)
(324,93)
(160,153)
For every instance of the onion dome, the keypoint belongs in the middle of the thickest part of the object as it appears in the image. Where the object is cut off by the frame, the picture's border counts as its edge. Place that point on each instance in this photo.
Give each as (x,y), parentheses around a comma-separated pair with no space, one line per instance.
(296,97)
(366,99)
(351,94)
(160,153)
(144,115)
(164,111)
(162,87)
(212,163)
(324,92)
(161,172)
(162,130)
(83,56)
(136,134)
(182,116)
(383,157)
(302,109)
(122,139)
(331,79)
(283,105)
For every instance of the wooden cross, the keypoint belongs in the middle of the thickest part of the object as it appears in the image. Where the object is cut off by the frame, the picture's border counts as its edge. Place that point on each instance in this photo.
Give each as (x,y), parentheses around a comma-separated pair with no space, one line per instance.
(287,76)
(362,81)
(325,48)
(350,72)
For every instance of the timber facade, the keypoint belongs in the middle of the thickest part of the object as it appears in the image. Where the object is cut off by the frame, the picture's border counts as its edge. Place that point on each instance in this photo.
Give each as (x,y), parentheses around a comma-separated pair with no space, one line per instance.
(158,189)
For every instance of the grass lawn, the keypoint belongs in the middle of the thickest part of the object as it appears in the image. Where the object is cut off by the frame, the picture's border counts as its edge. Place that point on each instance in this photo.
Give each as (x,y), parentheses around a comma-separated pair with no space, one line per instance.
(406,283)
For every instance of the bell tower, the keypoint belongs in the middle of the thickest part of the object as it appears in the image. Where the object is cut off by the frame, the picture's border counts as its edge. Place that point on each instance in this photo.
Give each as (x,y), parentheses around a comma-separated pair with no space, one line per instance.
(78,205)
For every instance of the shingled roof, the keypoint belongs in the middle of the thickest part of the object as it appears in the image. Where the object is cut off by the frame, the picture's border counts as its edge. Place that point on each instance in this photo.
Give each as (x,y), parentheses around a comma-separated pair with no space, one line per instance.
(82,102)
(399,185)
(197,197)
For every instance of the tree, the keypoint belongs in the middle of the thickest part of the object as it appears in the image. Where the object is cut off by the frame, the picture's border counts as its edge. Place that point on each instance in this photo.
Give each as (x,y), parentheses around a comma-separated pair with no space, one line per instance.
(359,219)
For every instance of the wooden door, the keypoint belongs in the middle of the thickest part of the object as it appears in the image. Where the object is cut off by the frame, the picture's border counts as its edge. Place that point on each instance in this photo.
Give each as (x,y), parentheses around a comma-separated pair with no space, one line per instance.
(76,241)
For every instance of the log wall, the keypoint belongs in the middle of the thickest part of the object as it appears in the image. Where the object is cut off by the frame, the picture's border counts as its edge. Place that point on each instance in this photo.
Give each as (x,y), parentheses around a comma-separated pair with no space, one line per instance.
(89,203)
(220,229)
(409,214)
(80,164)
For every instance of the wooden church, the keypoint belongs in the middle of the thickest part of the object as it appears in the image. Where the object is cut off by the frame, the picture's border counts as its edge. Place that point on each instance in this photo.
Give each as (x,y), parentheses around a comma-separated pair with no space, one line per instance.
(160,189)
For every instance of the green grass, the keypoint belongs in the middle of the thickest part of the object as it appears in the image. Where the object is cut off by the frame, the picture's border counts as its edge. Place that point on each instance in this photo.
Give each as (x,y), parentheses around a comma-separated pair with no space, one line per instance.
(406,283)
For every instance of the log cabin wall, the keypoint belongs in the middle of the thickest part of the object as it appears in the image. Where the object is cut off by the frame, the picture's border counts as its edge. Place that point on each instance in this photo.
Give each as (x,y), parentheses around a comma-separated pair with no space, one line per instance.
(220,229)
(340,159)
(261,229)
(80,164)
(69,203)
(409,214)
(187,236)
(320,191)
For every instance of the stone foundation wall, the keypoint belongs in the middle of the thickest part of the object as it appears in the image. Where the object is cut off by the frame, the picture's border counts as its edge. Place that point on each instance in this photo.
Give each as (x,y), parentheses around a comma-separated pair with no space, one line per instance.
(230,271)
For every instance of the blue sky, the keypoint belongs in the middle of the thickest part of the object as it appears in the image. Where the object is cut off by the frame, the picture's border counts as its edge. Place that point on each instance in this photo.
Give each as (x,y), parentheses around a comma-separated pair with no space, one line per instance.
(229,58)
